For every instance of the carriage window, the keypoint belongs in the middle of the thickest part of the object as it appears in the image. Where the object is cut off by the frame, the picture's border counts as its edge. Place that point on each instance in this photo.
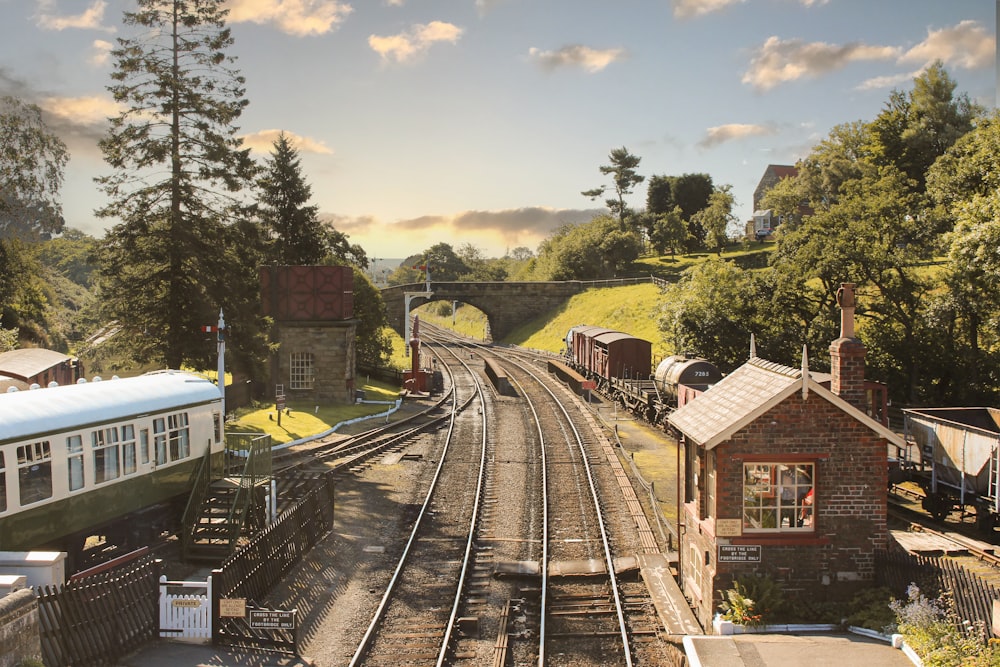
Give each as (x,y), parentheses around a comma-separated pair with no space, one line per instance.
(217,418)
(74,454)
(144,445)
(160,440)
(301,373)
(778,497)
(107,464)
(128,448)
(34,472)
(180,443)
(3,485)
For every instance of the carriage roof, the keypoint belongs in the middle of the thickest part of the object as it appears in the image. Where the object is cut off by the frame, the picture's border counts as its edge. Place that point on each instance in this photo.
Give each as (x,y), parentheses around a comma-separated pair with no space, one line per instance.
(55,409)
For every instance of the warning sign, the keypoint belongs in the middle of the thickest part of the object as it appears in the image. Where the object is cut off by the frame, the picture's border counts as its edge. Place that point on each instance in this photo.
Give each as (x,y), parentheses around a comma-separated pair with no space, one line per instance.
(270,619)
(739,553)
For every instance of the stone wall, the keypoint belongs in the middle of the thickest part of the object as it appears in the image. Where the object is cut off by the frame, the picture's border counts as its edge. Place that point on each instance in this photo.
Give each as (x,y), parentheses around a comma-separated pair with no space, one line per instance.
(19,632)
(835,560)
(332,345)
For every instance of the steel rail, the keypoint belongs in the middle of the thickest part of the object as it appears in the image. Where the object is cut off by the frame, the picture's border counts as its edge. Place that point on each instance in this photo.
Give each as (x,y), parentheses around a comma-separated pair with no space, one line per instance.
(365,644)
(609,561)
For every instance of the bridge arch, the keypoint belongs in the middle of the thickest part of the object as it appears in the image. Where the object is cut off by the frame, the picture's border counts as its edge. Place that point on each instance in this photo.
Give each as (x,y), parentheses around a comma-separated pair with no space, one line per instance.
(506,305)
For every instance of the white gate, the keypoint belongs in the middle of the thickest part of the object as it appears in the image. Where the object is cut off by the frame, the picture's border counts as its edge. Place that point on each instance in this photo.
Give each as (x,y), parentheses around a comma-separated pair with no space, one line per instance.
(186,610)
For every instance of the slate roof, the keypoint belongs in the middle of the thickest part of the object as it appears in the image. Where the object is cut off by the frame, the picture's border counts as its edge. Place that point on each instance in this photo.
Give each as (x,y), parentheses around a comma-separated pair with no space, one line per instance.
(746,394)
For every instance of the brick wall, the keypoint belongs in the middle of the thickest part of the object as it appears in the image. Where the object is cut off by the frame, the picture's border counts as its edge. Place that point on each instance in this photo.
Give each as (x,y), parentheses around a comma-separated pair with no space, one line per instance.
(850,489)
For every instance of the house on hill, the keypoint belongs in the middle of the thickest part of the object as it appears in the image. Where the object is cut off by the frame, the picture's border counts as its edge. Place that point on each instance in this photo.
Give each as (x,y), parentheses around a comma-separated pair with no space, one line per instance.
(785,478)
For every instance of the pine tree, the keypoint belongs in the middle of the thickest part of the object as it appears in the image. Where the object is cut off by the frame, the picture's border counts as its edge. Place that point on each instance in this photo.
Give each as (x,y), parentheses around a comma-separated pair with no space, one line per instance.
(179,169)
(297,237)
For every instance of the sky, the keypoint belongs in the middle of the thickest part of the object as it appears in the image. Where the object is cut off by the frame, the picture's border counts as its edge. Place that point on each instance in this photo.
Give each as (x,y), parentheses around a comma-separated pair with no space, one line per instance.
(482,121)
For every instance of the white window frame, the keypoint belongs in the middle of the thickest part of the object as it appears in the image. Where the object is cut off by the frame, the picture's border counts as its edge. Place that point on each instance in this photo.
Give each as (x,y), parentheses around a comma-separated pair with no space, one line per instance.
(301,370)
(778,497)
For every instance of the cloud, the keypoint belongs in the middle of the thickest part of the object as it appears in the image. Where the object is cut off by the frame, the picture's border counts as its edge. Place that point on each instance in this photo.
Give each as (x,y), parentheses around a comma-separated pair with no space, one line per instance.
(721,134)
(967,45)
(414,42)
(685,9)
(492,231)
(90,19)
(887,81)
(575,55)
(301,18)
(780,61)
(100,52)
(263,142)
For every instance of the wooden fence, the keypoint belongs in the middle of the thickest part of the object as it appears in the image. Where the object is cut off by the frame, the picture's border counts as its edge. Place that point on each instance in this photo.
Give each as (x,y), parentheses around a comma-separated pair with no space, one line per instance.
(98,619)
(252,571)
(972,596)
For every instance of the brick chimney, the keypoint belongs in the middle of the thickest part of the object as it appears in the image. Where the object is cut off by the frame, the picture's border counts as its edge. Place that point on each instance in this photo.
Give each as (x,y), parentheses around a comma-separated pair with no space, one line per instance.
(847,355)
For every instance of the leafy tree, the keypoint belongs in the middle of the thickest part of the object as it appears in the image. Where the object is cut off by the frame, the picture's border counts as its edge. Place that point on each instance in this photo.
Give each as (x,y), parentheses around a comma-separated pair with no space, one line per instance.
(913,130)
(716,217)
(669,232)
(71,255)
(444,263)
(32,160)
(373,344)
(481,268)
(23,299)
(178,170)
(624,177)
(691,192)
(598,249)
(297,236)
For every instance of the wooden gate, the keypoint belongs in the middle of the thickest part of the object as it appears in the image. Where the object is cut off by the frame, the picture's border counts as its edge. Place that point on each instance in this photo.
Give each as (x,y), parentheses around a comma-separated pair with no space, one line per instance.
(186,610)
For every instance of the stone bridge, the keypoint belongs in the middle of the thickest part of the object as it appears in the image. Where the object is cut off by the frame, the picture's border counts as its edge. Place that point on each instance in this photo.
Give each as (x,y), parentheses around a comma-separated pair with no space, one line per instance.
(507,305)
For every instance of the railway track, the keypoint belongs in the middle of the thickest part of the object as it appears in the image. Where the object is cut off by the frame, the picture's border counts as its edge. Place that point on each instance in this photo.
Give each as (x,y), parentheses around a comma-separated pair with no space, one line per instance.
(574,604)
(418,612)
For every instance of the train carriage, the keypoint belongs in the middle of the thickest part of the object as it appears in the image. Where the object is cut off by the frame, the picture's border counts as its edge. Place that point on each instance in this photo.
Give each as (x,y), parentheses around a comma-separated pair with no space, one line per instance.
(84,459)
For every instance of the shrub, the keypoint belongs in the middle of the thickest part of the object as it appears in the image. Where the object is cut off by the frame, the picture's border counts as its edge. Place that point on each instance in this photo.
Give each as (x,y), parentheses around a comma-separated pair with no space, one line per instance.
(752,601)
(932,630)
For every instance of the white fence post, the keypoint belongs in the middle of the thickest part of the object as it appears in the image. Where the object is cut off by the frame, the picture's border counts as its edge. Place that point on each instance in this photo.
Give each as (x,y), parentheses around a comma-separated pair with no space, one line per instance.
(186,616)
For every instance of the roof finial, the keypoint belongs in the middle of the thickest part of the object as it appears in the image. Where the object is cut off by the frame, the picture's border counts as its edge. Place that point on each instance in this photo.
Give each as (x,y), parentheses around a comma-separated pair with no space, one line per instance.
(805,372)
(753,346)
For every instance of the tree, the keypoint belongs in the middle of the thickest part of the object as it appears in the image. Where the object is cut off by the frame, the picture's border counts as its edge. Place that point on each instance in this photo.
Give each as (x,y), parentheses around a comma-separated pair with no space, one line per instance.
(669,232)
(913,130)
(624,178)
(178,171)
(297,236)
(372,341)
(716,217)
(598,249)
(32,160)
(23,300)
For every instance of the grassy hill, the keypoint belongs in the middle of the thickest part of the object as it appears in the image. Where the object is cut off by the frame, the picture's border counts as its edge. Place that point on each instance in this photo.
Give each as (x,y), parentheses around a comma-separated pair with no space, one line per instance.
(632,309)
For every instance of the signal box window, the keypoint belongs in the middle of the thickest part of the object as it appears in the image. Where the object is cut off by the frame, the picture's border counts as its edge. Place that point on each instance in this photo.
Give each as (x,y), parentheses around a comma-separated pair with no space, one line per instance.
(34,472)
(301,371)
(778,497)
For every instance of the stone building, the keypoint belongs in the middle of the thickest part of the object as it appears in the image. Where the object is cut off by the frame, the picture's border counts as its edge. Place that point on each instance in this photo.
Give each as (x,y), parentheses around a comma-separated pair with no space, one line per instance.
(314,328)
(784,478)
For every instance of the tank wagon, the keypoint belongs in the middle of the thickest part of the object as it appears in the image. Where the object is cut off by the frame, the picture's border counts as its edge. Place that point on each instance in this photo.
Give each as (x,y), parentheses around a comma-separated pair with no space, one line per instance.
(620,366)
(954,454)
(113,458)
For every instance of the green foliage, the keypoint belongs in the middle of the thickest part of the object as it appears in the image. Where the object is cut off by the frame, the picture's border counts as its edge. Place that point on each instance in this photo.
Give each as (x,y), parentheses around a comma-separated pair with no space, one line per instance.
(870,609)
(752,601)
(598,249)
(623,178)
(178,169)
(931,629)
(32,159)
(296,236)
(371,340)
